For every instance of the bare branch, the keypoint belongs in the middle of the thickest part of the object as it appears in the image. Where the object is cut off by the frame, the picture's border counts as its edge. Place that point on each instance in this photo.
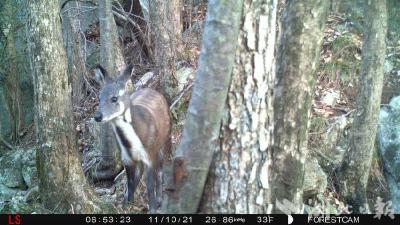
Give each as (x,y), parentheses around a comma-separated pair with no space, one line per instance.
(122,15)
(184,91)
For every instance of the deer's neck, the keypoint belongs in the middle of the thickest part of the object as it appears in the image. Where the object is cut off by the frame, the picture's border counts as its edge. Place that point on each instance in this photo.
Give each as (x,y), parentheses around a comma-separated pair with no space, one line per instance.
(131,146)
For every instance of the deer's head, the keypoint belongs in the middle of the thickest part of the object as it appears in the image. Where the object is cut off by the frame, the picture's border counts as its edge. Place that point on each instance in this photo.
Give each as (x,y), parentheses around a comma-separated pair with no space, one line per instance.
(114,95)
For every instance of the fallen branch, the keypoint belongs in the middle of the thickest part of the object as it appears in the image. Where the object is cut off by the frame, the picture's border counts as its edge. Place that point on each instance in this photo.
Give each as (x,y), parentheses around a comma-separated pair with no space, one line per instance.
(144,80)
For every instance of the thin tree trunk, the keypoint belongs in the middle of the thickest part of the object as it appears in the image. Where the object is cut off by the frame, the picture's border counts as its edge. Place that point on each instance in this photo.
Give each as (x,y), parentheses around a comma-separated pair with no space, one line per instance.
(12,89)
(201,132)
(238,179)
(355,168)
(299,52)
(166,32)
(111,59)
(62,184)
(73,34)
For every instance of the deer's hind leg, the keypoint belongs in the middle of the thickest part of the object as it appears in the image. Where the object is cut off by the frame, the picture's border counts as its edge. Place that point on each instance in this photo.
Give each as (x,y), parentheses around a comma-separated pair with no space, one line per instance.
(151,178)
(159,182)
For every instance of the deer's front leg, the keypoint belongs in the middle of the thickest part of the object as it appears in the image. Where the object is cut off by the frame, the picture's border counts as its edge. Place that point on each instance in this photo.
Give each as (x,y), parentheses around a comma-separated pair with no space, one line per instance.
(134,172)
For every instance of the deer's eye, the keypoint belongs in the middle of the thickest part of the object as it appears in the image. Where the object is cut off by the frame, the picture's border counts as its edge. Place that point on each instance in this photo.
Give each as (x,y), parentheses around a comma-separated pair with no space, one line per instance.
(114,99)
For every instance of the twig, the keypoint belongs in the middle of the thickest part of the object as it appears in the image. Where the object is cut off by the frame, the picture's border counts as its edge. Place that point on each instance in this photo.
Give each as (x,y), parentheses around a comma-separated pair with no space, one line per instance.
(87,1)
(121,9)
(180,96)
(72,209)
(88,166)
(393,54)
(335,121)
(141,35)
(120,174)
(324,157)
(5,143)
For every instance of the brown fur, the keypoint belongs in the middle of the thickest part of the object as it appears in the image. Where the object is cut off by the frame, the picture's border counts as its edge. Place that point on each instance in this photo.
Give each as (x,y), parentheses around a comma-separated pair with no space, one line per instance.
(151,120)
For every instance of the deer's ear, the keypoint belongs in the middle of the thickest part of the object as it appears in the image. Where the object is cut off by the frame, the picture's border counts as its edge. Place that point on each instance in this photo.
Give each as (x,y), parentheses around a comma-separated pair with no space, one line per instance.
(129,86)
(101,75)
(128,71)
(125,78)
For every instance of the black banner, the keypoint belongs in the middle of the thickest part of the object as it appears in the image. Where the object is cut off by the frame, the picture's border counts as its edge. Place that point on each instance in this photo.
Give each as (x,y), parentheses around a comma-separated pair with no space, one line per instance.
(212,219)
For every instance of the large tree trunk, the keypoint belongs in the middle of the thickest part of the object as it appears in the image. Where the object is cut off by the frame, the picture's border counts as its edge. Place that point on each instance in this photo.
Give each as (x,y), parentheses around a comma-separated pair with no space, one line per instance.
(201,132)
(62,184)
(354,171)
(238,179)
(165,17)
(299,50)
(111,59)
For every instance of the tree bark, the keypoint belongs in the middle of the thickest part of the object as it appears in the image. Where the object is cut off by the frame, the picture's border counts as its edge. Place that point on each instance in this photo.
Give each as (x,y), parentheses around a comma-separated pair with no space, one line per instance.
(299,52)
(238,179)
(165,17)
(200,136)
(62,184)
(354,171)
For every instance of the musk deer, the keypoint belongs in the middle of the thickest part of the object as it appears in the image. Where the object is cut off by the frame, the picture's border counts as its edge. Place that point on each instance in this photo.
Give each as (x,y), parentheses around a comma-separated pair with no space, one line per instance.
(141,123)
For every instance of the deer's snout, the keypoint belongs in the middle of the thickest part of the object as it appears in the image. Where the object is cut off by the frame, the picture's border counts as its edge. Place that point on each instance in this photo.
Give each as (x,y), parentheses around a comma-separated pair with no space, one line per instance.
(98,117)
